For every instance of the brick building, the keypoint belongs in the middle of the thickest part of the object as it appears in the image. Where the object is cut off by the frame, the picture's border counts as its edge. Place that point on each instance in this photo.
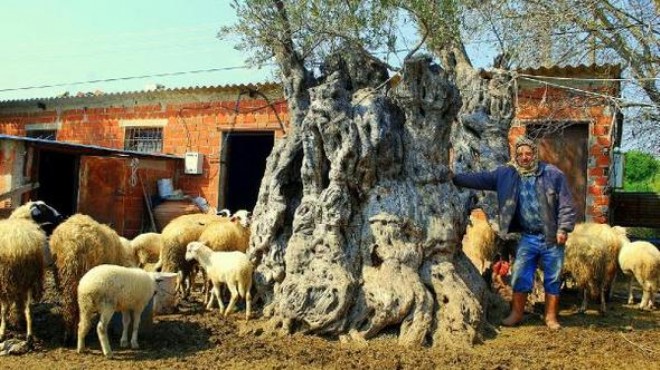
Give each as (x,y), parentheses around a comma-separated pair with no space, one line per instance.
(231,128)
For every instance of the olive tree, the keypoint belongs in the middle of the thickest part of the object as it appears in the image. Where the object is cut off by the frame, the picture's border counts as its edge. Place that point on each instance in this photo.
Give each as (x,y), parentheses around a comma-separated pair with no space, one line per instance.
(358,227)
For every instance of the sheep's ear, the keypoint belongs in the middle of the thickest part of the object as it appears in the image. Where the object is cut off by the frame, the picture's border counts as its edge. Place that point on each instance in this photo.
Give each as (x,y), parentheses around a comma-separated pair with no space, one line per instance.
(233,219)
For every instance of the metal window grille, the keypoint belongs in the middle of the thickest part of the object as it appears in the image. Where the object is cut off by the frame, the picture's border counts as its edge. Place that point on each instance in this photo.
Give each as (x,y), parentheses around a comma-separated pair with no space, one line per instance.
(42,134)
(144,139)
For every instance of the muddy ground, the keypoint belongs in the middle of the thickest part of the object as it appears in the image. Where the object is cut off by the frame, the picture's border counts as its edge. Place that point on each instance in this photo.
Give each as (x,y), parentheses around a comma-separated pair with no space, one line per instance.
(195,339)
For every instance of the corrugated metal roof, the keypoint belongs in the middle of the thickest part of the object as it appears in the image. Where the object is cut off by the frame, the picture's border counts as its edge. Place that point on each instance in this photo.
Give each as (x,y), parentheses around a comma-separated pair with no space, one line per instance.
(582,70)
(163,91)
(87,149)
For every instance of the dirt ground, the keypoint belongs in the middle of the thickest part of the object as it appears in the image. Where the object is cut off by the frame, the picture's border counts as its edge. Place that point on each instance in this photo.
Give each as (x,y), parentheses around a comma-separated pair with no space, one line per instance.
(195,339)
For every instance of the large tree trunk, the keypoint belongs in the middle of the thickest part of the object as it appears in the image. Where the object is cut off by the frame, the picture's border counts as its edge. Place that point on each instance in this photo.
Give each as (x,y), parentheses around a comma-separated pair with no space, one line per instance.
(358,226)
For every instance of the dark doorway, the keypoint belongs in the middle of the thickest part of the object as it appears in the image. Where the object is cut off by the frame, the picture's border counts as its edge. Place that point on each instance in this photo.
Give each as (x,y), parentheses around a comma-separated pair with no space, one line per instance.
(565,144)
(58,180)
(246,154)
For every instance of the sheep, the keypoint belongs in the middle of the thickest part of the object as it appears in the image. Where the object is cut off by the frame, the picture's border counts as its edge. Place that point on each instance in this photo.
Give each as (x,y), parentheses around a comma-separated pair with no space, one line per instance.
(590,257)
(44,215)
(146,248)
(227,237)
(108,288)
(176,235)
(79,244)
(640,260)
(21,269)
(231,268)
(481,242)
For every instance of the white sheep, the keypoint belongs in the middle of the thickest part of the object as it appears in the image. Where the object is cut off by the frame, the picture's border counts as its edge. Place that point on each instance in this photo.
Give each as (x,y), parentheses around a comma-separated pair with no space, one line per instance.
(232,234)
(176,235)
(77,245)
(21,268)
(231,268)
(590,258)
(640,260)
(108,288)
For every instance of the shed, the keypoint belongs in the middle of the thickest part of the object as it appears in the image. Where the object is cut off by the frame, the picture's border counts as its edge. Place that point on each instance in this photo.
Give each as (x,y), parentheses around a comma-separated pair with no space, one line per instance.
(111,185)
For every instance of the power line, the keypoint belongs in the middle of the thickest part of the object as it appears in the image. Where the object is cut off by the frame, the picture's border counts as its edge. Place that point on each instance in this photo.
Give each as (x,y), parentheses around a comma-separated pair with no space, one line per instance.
(169,74)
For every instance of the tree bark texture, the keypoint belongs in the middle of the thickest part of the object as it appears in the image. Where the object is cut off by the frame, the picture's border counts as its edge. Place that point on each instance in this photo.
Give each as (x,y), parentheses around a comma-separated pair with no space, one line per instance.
(357,228)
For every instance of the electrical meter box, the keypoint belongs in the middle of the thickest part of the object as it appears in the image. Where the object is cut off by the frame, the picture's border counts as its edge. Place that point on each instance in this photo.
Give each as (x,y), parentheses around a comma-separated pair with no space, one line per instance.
(193,163)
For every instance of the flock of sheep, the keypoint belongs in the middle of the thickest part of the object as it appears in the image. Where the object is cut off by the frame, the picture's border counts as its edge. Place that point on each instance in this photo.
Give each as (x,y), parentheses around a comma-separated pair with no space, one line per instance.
(98,272)
(593,255)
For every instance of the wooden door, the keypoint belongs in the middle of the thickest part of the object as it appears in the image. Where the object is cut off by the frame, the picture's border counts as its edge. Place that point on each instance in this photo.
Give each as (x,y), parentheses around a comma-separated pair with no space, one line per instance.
(102,189)
(567,148)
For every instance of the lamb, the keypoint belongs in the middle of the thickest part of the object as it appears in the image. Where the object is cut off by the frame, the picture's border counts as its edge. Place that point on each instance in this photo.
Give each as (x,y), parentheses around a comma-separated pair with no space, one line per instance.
(176,235)
(21,268)
(227,236)
(108,288)
(231,268)
(146,248)
(641,260)
(590,257)
(79,244)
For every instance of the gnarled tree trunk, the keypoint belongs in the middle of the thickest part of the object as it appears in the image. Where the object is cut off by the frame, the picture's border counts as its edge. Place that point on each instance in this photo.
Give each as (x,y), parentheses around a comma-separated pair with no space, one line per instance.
(358,225)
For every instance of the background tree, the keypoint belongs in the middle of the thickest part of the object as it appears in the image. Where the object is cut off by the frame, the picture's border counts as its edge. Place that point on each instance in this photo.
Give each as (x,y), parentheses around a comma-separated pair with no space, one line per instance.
(642,172)
(573,32)
(357,226)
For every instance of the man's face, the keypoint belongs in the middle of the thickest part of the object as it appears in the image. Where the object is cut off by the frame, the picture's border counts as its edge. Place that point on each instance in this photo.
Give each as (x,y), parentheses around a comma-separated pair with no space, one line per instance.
(525,156)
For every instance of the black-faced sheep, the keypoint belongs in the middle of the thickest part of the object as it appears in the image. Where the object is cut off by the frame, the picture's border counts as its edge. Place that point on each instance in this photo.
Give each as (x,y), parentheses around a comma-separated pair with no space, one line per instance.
(231,268)
(41,213)
(79,244)
(21,268)
(176,235)
(640,260)
(590,258)
(108,288)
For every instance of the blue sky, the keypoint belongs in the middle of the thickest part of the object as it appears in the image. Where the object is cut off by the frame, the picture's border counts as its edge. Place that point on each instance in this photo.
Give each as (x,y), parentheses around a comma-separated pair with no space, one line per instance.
(47,42)
(51,42)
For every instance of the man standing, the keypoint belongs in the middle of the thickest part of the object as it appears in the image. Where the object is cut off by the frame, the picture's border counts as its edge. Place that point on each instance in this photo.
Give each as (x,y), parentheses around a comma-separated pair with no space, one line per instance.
(533,199)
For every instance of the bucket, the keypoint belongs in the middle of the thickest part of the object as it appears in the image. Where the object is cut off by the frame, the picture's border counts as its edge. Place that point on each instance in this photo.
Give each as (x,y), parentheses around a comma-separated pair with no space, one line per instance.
(165,188)
(165,298)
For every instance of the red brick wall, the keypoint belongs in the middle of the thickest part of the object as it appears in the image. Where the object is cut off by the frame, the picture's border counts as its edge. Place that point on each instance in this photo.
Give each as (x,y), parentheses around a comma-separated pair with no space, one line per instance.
(191,126)
(554,104)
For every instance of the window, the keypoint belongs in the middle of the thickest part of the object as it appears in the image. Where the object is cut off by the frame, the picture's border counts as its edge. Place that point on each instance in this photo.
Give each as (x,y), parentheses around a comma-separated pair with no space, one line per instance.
(42,134)
(144,139)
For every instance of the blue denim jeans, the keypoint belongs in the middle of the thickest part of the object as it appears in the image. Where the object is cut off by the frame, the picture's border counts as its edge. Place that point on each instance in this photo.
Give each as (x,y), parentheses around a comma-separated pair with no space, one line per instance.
(532,251)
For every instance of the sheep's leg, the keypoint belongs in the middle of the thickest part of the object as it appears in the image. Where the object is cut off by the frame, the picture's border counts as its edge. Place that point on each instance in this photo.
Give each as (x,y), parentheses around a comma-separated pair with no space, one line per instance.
(248,305)
(83,328)
(603,304)
(136,327)
(3,320)
(28,316)
(583,306)
(102,330)
(125,322)
(631,300)
(215,292)
(234,297)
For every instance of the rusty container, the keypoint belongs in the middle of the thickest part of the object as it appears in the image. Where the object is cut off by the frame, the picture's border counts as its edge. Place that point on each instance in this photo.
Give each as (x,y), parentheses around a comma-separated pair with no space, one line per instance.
(171,209)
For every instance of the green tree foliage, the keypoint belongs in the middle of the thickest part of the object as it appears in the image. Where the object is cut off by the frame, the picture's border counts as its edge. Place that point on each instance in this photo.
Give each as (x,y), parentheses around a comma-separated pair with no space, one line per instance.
(642,172)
